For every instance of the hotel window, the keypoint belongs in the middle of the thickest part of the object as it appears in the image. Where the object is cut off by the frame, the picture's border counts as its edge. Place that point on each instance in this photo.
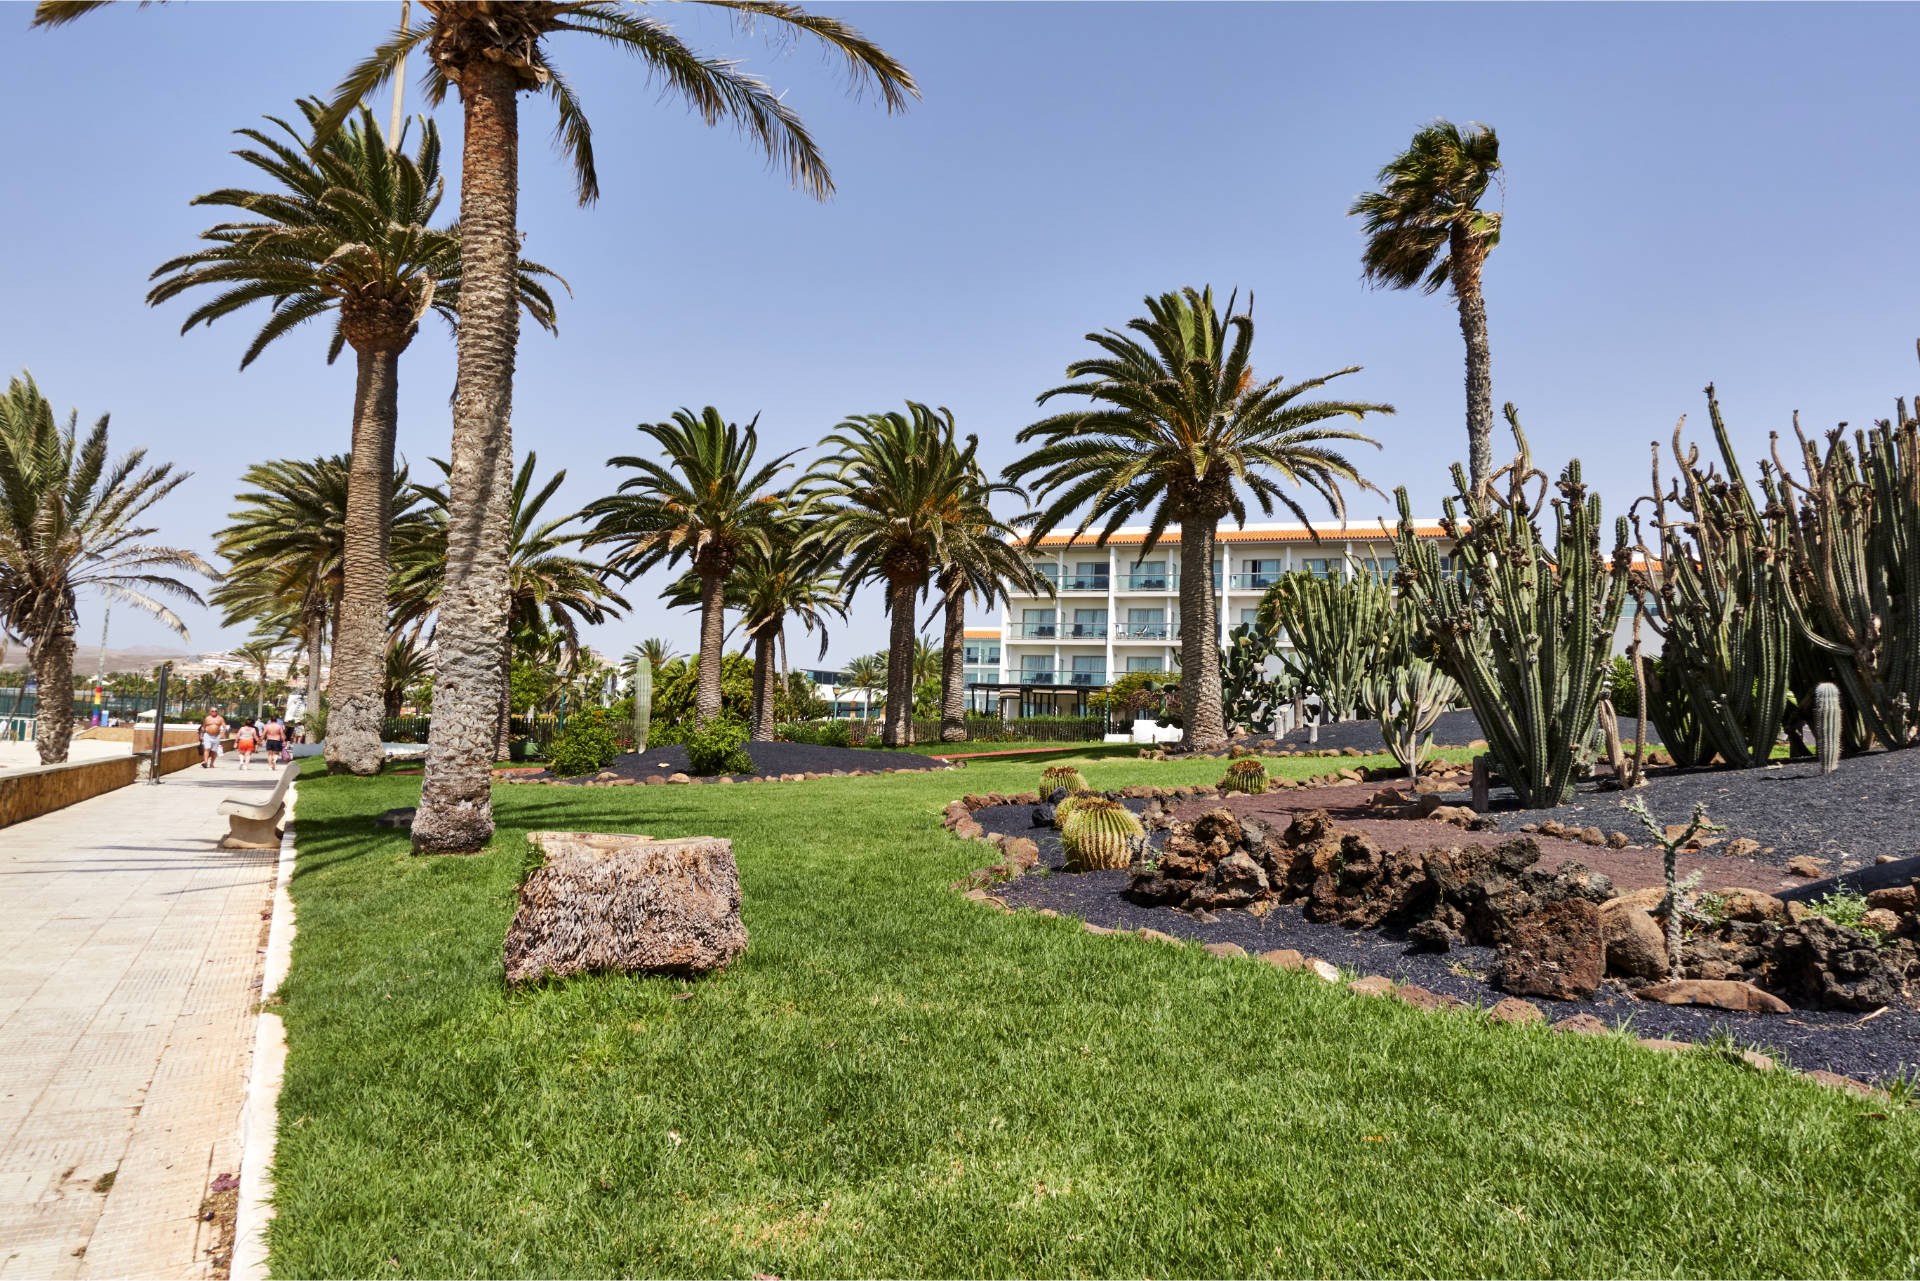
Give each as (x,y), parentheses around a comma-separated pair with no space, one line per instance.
(1143,664)
(1322,566)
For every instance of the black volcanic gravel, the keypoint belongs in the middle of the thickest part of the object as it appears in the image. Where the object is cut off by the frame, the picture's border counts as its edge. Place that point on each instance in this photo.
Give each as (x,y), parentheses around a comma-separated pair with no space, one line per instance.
(1868,807)
(1836,1040)
(1453,729)
(770,760)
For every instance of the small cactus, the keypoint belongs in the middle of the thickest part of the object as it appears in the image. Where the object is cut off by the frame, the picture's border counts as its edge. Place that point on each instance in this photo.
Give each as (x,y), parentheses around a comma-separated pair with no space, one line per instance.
(1248,776)
(642,702)
(1063,776)
(1826,725)
(1100,834)
(1066,805)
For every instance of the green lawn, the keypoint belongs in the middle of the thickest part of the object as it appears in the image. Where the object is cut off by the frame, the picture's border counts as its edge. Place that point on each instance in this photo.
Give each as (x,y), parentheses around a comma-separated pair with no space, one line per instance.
(894,1081)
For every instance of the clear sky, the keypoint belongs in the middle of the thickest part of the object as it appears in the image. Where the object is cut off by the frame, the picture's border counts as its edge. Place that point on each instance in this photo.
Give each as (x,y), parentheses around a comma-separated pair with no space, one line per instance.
(1694,193)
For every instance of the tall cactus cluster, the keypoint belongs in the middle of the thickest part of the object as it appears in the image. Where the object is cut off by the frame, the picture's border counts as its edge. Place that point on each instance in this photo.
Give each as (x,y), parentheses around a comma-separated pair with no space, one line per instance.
(1722,609)
(1099,835)
(1340,629)
(1407,701)
(642,676)
(1852,532)
(1527,633)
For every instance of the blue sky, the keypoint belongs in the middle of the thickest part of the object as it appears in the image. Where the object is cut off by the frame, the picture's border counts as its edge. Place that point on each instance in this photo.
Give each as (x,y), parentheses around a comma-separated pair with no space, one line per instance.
(1694,193)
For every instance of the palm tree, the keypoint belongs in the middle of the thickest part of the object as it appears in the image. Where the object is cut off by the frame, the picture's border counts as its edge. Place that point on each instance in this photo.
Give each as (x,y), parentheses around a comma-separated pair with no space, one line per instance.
(893,497)
(982,560)
(1425,227)
(550,591)
(653,651)
(866,674)
(408,666)
(1178,426)
(492,51)
(258,654)
(793,577)
(69,521)
(343,230)
(700,500)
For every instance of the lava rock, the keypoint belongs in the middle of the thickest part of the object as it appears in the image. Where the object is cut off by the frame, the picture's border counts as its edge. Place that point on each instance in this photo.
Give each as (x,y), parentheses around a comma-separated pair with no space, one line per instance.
(1635,945)
(1720,994)
(1555,952)
(1043,815)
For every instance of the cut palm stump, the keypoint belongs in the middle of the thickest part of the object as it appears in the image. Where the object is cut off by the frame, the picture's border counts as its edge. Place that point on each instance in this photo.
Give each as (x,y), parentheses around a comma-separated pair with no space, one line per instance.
(630,904)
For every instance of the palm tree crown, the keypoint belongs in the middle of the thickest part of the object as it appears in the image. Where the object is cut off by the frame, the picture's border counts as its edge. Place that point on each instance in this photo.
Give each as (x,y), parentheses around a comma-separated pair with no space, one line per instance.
(345,229)
(1179,426)
(70,520)
(1425,228)
(700,500)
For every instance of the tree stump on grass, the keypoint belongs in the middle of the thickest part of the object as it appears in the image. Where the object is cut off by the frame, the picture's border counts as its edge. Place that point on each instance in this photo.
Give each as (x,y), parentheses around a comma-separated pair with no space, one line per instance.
(630,904)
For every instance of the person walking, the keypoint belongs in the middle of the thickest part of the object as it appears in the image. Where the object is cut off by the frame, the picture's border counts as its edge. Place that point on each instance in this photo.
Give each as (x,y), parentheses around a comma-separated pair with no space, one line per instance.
(243,744)
(212,727)
(274,735)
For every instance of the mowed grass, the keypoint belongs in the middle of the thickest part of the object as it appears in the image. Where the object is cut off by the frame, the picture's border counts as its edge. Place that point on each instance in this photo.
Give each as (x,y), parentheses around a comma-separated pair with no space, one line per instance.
(896,1082)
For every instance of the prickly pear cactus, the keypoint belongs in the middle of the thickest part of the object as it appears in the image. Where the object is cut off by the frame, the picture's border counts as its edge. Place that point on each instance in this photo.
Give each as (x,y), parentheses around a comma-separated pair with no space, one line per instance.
(1100,834)
(1826,725)
(1248,776)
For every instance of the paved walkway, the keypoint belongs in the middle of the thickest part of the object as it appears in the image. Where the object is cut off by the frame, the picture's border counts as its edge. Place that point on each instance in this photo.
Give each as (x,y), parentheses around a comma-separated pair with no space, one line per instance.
(129,964)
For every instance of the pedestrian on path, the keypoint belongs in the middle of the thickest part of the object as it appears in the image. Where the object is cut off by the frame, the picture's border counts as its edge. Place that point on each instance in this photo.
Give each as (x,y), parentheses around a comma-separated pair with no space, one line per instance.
(212,728)
(243,742)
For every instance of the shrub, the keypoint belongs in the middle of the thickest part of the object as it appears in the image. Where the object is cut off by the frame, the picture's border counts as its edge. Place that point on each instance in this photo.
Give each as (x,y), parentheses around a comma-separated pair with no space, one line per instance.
(1062,776)
(1100,834)
(715,748)
(1842,907)
(1248,776)
(586,746)
(820,733)
(666,733)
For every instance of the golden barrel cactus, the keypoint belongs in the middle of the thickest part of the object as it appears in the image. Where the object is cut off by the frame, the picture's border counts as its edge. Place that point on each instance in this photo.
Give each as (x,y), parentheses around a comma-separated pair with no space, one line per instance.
(1248,776)
(1062,776)
(1100,834)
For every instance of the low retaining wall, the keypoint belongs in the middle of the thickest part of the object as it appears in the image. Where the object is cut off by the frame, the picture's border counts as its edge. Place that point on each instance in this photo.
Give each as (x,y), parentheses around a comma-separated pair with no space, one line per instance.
(34,792)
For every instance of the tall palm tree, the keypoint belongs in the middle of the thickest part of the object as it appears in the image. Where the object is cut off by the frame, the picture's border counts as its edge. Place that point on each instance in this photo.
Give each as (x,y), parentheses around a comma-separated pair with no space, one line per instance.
(982,561)
(653,651)
(492,51)
(893,496)
(344,230)
(1425,228)
(866,674)
(1179,425)
(794,577)
(69,521)
(551,591)
(700,500)
(258,654)
(409,663)
(286,546)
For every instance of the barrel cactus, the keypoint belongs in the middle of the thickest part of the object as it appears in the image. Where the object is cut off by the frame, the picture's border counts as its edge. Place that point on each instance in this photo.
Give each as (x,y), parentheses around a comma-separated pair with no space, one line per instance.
(1057,776)
(1100,834)
(1826,725)
(1067,806)
(1248,776)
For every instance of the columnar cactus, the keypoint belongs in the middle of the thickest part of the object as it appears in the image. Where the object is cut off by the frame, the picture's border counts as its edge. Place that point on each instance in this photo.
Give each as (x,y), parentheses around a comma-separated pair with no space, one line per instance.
(1721,609)
(1058,776)
(1338,629)
(1247,775)
(1100,835)
(1407,701)
(642,702)
(1527,633)
(1855,562)
(1826,725)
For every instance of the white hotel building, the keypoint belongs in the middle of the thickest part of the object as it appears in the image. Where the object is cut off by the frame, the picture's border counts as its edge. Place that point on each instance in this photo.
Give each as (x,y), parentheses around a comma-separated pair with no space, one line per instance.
(1117,609)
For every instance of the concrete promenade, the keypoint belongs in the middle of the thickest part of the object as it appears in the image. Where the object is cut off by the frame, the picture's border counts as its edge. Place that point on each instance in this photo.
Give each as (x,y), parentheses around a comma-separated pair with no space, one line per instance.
(130,958)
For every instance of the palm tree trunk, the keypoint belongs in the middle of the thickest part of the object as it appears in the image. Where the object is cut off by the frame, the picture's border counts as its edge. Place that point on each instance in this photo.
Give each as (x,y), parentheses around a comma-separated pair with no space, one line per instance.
(356,687)
(1199,640)
(897,729)
(766,674)
(953,667)
(456,793)
(313,623)
(51,655)
(1473,328)
(713,635)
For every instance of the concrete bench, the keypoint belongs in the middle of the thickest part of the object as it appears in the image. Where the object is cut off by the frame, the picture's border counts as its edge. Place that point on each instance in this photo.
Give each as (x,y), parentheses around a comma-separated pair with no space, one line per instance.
(257,827)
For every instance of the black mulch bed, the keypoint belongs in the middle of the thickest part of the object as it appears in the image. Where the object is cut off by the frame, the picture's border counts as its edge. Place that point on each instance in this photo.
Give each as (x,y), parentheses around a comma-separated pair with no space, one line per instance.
(1453,729)
(1874,1048)
(1868,807)
(770,760)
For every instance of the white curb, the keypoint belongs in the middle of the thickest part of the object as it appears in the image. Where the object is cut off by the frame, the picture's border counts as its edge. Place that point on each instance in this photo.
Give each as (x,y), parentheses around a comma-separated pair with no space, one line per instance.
(259,1122)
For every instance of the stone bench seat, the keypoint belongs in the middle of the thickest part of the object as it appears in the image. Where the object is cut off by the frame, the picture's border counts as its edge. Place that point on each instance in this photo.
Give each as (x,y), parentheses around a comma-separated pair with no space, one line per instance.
(257,827)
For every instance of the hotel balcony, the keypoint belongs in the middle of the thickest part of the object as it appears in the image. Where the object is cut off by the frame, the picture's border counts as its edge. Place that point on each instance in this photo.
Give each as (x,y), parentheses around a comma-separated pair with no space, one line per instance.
(1091,679)
(1059,631)
(1146,631)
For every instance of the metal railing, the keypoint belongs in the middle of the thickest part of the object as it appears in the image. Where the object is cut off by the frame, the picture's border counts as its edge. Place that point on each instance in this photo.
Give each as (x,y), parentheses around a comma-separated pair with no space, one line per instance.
(1030,677)
(1253,582)
(1146,631)
(1160,582)
(1082,583)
